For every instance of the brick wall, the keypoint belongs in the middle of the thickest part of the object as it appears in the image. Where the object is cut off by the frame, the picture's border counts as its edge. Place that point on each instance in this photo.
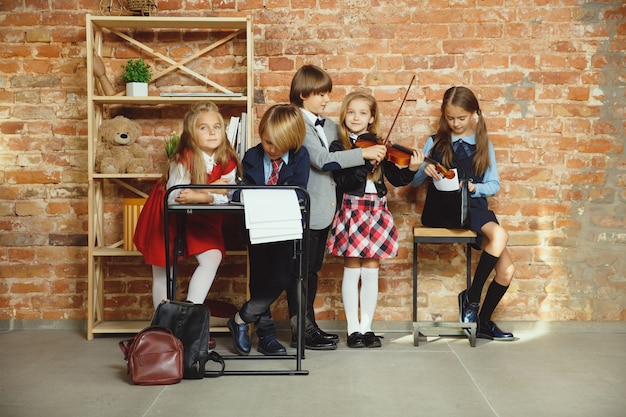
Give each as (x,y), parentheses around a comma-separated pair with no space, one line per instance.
(550,78)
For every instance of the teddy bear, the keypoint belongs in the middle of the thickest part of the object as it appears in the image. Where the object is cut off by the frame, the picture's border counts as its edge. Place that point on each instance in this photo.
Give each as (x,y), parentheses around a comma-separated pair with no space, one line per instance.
(118,152)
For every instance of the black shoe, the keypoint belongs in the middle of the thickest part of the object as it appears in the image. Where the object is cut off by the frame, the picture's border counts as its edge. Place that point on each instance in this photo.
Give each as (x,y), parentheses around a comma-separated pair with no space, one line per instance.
(355,340)
(489,330)
(315,341)
(239,332)
(328,336)
(371,340)
(270,346)
(468,312)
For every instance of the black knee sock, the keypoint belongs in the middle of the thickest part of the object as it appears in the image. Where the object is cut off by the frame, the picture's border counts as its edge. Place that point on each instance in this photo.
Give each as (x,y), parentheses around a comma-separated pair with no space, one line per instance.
(485,265)
(495,292)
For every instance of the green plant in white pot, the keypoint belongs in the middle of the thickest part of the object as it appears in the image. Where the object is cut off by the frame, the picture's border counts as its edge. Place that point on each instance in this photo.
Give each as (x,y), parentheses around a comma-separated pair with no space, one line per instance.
(136,75)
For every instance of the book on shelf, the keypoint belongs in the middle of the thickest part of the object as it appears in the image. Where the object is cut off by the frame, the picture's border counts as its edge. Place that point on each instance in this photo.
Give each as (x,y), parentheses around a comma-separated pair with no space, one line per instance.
(231,132)
(242,144)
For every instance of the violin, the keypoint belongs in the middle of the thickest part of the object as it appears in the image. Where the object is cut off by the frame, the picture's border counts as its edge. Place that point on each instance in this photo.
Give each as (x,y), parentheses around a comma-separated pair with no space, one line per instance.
(398,154)
(394,154)
(447,173)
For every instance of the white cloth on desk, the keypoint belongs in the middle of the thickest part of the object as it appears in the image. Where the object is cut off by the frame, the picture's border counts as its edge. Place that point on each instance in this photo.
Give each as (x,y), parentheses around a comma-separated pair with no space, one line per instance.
(272,215)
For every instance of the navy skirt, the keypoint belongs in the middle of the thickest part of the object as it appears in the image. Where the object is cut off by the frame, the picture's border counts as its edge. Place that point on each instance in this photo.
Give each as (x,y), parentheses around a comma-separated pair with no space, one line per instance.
(480,215)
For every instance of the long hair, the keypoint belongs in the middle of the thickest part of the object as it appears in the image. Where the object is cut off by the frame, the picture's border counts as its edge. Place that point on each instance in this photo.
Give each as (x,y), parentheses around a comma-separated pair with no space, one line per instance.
(284,126)
(464,98)
(344,134)
(189,154)
(309,79)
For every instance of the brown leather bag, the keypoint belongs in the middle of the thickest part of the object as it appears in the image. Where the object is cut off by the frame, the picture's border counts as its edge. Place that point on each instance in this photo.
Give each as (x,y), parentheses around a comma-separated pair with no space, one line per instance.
(154,357)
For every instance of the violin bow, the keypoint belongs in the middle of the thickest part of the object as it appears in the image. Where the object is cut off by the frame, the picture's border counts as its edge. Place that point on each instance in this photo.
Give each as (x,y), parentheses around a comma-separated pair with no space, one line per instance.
(400,109)
(396,117)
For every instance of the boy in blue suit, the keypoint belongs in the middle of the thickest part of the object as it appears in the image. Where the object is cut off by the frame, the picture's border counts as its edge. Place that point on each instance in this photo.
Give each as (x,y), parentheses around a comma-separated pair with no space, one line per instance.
(279,159)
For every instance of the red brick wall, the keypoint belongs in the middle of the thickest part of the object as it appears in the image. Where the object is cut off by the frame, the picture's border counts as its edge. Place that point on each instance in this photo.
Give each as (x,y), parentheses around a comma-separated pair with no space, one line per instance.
(550,79)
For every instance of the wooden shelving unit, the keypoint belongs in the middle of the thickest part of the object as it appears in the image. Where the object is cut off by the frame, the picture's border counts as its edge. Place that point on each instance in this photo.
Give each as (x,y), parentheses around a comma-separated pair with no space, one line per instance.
(100,30)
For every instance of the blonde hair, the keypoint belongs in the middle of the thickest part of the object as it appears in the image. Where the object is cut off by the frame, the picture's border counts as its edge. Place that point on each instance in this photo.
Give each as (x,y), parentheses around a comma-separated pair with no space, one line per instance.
(284,126)
(188,152)
(344,133)
(464,98)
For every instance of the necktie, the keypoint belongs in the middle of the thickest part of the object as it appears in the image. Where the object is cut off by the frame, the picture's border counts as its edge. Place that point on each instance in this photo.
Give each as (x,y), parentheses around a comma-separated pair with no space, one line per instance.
(320,122)
(462,149)
(273,178)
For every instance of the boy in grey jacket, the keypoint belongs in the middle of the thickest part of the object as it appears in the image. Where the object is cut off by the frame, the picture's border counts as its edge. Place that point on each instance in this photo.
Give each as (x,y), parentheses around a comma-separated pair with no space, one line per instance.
(310,89)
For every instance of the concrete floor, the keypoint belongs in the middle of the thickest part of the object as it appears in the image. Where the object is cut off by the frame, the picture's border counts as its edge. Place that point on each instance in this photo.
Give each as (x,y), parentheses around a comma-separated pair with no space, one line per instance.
(551,370)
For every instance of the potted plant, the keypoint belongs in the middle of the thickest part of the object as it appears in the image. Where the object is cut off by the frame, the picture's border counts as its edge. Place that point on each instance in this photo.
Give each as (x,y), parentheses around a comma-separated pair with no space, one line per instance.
(136,74)
(171,143)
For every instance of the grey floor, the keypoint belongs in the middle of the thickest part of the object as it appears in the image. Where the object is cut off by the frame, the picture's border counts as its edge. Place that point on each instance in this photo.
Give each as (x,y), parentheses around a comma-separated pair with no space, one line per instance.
(551,370)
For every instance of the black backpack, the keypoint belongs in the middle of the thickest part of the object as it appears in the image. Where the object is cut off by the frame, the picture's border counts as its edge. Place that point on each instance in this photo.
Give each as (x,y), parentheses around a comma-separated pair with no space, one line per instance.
(190,323)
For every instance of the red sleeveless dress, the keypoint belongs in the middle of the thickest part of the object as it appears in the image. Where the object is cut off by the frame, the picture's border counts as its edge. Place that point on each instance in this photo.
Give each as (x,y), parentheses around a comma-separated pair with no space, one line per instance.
(202,231)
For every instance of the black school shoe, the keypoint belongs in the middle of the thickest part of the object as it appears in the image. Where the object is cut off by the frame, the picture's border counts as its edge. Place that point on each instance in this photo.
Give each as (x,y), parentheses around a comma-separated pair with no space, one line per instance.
(270,346)
(314,340)
(328,336)
(489,330)
(355,340)
(371,340)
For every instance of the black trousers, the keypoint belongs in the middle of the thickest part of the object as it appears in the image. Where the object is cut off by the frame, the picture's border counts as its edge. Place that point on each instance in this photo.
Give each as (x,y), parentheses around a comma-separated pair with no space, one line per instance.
(317,249)
(271,268)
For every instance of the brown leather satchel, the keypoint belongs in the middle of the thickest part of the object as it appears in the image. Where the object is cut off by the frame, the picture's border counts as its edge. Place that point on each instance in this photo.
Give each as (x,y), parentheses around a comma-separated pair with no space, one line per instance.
(154,357)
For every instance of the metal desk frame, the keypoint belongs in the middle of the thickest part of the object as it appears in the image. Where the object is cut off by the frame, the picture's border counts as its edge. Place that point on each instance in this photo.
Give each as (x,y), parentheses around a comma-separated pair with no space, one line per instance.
(302,253)
(443,236)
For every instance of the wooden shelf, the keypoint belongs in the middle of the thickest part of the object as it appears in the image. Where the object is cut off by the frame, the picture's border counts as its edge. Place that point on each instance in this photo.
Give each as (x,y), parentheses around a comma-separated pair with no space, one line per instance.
(104,34)
(155,22)
(107,251)
(159,100)
(135,326)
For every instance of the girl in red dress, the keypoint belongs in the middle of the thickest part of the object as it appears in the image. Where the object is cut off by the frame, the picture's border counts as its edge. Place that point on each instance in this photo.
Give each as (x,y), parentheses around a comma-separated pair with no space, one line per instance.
(203,156)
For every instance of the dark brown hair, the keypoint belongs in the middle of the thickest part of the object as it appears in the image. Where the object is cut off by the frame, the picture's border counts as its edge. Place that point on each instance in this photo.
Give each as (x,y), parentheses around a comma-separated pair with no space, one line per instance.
(309,79)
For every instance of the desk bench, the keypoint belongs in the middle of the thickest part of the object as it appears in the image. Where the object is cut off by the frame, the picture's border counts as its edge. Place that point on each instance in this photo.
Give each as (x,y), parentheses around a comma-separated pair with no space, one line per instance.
(423,234)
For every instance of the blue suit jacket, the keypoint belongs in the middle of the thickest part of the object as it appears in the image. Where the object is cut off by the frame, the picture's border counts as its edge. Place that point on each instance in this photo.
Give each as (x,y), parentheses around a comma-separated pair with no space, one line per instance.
(295,172)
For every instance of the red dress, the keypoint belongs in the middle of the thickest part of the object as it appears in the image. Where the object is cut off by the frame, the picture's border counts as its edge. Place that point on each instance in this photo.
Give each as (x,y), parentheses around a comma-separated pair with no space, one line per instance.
(202,231)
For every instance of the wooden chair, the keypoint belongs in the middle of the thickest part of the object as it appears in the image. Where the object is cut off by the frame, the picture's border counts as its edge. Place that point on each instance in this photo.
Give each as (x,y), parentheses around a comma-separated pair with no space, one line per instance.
(423,234)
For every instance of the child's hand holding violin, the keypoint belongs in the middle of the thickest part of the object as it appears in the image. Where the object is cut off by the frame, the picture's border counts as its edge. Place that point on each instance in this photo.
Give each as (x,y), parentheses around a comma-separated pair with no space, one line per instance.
(417,157)
(374,153)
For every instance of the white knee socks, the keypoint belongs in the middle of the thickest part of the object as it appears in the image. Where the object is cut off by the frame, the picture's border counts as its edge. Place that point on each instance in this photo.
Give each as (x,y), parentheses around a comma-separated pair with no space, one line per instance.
(159,285)
(203,276)
(350,297)
(200,283)
(369,297)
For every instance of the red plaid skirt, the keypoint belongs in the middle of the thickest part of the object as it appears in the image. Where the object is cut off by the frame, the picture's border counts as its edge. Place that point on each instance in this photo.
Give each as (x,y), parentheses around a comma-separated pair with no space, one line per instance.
(363,228)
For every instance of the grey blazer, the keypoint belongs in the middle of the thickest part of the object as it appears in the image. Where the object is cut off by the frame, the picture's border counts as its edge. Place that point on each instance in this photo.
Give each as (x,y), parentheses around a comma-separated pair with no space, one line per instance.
(321,186)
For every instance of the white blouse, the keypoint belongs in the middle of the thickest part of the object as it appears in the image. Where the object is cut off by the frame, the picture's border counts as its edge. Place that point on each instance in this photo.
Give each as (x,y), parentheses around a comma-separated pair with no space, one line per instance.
(179,175)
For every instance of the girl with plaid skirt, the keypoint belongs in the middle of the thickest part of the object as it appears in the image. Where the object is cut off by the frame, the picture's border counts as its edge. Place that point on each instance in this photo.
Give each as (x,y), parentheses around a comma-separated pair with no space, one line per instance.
(363,231)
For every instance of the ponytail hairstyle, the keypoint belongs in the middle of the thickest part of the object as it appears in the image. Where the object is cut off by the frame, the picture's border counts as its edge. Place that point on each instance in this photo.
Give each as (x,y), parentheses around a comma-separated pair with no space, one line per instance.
(464,98)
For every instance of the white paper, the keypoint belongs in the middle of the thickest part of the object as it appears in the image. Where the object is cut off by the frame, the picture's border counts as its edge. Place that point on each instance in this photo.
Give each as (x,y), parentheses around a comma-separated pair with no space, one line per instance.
(272,215)
(445,184)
